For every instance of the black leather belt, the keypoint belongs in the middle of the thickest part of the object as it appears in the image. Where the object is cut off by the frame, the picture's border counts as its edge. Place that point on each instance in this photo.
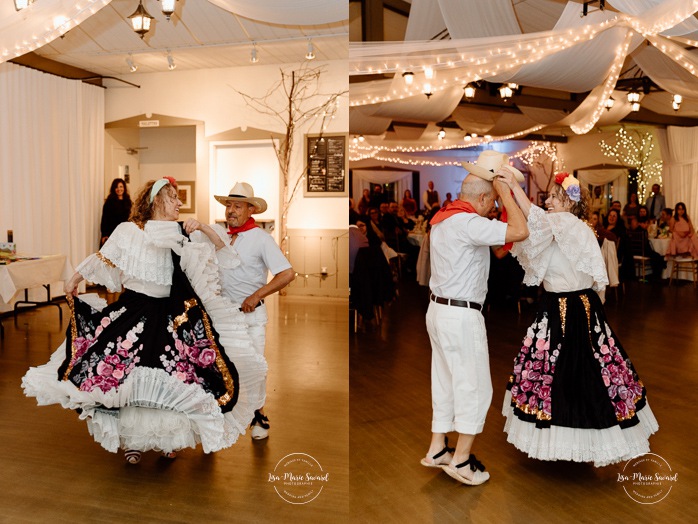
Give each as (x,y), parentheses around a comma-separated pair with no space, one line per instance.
(454,302)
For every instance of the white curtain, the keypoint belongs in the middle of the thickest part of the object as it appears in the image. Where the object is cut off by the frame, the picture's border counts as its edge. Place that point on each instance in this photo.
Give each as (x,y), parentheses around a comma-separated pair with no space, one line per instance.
(679,147)
(298,12)
(600,177)
(51,162)
(363,178)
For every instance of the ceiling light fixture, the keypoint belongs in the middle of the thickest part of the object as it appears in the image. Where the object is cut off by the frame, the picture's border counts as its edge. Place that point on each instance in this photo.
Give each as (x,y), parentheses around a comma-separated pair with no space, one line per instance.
(442,133)
(608,104)
(676,102)
(469,91)
(131,66)
(310,54)
(409,77)
(253,54)
(427,90)
(22,4)
(140,20)
(170,61)
(428,73)
(633,97)
(506,92)
(168,8)
(361,138)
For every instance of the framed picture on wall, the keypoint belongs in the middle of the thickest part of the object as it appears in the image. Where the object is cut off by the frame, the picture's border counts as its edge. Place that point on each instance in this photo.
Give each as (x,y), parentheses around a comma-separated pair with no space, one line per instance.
(542,197)
(186,191)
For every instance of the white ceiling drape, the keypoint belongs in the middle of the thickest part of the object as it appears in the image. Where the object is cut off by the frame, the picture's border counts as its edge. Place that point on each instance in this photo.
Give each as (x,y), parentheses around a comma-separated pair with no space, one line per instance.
(297,12)
(40,23)
(579,54)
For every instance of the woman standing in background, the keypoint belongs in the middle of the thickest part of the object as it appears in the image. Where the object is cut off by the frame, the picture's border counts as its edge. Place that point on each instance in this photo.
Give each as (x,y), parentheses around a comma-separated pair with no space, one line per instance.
(117,208)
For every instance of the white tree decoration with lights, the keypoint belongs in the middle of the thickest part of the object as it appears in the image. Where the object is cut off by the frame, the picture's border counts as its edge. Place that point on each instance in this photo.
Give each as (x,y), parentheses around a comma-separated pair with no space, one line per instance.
(635,153)
(542,158)
(297,103)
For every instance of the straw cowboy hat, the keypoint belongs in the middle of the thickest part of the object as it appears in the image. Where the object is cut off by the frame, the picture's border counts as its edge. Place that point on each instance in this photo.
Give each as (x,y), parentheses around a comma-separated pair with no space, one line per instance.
(243,192)
(487,164)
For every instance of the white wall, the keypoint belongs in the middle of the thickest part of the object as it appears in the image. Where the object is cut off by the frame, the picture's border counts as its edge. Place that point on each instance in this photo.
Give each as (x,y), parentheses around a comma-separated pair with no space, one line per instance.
(210,96)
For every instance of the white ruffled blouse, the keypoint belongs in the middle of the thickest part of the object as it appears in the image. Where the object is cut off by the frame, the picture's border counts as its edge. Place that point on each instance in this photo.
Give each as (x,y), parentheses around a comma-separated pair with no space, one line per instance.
(561,252)
(137,259)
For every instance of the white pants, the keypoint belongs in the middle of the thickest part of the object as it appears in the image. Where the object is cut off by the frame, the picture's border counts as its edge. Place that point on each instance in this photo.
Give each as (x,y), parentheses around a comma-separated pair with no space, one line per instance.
(256,322)
(461,386)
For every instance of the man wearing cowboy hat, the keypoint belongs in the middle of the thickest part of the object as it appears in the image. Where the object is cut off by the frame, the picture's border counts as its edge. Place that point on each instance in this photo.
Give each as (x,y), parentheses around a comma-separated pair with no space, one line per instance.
(460,240)
(246,284)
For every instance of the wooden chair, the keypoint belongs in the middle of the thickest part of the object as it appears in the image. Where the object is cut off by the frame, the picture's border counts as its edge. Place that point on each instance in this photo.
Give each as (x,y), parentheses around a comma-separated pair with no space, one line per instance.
(687,264)
(638,241)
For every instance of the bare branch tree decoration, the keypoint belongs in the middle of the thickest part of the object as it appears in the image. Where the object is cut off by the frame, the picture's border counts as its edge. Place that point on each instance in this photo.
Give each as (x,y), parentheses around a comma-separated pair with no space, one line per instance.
(635,152)
(297,103)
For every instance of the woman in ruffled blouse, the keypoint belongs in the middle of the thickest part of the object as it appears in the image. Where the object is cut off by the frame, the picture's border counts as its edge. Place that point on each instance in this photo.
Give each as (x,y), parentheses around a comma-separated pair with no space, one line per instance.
(573,393)
(169,364)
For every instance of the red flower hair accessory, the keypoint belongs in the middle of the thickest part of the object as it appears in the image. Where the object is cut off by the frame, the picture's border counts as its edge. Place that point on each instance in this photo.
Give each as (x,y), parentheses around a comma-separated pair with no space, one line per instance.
(570,185)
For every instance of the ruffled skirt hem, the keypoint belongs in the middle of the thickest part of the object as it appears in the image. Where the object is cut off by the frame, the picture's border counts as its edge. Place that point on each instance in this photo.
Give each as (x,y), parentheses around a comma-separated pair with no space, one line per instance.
(151,410)
(600,446)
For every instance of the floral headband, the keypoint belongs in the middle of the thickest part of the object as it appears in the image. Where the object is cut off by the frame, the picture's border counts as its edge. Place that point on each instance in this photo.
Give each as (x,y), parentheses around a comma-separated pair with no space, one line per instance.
(159,184)
(570,185)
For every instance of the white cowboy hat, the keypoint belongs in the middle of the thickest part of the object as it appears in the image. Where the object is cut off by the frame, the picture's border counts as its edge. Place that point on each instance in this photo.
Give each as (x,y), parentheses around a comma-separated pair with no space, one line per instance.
(487,164)
(243,192)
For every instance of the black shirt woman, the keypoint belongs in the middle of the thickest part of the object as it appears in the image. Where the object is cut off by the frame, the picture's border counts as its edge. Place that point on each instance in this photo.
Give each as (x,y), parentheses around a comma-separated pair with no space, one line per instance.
(116,209)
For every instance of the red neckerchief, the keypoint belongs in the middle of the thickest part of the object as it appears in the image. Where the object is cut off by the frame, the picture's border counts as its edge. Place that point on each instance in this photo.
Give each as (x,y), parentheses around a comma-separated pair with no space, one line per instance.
(250,224)
(455,207)
(458,206)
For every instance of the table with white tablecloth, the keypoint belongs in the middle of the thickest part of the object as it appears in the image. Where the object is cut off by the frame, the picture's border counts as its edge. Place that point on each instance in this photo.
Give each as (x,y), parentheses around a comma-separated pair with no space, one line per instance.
(24,275)
(661,246)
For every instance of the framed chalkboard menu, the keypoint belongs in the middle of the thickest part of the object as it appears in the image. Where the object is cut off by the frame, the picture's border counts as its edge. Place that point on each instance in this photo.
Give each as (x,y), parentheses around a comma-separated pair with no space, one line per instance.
(326,161)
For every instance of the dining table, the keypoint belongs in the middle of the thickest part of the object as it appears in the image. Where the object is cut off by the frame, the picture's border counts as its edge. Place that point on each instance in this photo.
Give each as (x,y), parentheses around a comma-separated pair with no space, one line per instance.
(24,273)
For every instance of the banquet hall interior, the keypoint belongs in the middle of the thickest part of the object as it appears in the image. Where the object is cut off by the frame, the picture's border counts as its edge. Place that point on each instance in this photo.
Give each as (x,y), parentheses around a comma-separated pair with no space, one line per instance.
(200,93)
(602,90)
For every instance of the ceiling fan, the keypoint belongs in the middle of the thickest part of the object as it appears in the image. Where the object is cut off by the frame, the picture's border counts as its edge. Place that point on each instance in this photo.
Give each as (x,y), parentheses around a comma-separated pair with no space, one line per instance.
(132,150)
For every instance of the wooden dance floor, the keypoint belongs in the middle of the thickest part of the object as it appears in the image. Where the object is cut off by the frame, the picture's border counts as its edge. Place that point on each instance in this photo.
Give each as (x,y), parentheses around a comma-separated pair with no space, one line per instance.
(51,470)
(391,417)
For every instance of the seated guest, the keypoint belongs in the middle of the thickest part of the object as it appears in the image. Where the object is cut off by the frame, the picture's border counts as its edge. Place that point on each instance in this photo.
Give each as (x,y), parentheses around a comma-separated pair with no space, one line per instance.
(353,214)
(683,236)
(409,203)
(666,222)
(615,225)
(364,203)
(643,217)
(448,200)
(374,225)
(393,230)
(601,232)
